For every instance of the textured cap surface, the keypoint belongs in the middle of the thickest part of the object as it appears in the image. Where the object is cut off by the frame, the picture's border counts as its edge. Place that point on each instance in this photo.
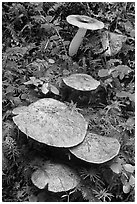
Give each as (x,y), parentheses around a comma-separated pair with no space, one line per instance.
(59,177)
(86,22)
(81,82)
(50,121)
(41,105)
(96,149)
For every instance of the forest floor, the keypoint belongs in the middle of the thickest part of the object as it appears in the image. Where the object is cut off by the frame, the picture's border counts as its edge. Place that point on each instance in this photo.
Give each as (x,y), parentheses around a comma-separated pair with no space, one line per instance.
(36,39)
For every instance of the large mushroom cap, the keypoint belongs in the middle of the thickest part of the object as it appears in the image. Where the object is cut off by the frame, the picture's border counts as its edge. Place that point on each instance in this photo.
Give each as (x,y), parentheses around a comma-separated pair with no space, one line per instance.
(85,22)
(96,149)
(81,82)
(59,177)
(50,121)
(47,104)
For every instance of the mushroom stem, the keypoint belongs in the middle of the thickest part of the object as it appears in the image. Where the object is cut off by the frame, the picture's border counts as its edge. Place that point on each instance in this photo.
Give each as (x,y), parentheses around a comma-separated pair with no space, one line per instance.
(75,43)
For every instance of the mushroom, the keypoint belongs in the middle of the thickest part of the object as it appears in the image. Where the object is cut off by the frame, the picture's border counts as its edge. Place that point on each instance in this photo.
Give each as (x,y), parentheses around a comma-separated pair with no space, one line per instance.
(96,149)
(51,122)
(79,88)
(84,23)
(58,177)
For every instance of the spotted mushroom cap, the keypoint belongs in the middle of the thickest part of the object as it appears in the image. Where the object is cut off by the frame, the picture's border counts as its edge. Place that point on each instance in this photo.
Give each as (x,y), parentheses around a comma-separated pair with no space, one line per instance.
(96,148)
(51,122)
(85,22)
(81,82)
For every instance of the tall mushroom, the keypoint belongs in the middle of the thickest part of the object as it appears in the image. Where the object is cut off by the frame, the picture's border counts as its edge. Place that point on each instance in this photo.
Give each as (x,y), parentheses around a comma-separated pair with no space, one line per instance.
(84,23)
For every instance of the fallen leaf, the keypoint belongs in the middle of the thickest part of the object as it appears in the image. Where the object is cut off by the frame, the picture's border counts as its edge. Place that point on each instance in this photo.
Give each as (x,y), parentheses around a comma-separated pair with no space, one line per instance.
(116,167)
(45,88)
(132,181)
(129,168)
(126,188)
(54,90)
(51,61)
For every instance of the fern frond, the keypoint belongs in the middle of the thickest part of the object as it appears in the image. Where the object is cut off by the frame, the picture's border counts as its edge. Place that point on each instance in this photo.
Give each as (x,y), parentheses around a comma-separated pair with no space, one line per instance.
(10,149)
(16,51)
(87,192)
(103,195)
(92,175)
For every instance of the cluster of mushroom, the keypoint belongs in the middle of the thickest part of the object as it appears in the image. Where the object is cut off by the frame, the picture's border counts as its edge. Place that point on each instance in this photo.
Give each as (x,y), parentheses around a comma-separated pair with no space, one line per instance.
(51,122)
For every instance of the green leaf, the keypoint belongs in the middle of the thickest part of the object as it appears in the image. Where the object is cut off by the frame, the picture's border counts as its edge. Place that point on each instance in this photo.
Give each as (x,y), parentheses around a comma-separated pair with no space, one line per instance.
(132,181)
(126,188)
(121,76)
(51,61)
(122,94)
(39,18)
(132,97)
(28,82)
(48,18)
(54,37)
(129,168)
(123,69)
(24,96)
(54,90)
(66,42)
(108,81)
(33,81)
(45,88)
(10,89)
(128,26)
(115,74)
(132,33)
(46,26)
(116,167)
(103,73)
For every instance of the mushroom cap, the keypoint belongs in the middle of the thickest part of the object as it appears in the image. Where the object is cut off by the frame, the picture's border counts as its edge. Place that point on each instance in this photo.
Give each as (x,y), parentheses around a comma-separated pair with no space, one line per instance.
(81,82)
(96,149)
(85,22)
(42,105)
(59,177)
(51,122)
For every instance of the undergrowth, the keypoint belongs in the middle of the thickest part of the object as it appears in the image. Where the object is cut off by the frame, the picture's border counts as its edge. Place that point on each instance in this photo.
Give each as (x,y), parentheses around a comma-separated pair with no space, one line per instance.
(36,38)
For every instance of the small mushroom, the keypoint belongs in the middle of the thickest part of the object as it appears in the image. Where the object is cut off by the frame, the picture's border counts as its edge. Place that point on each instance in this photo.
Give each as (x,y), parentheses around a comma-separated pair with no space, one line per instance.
(84,23)
(58,177)
(79,88)
(96,148)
